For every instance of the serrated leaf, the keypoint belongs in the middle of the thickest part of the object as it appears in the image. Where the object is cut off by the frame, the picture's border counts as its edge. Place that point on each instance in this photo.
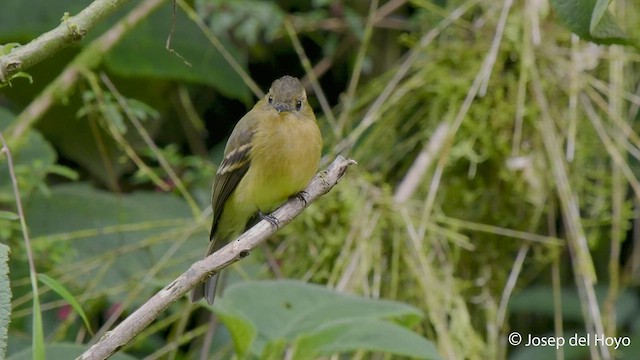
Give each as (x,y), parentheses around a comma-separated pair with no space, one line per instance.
(5,299)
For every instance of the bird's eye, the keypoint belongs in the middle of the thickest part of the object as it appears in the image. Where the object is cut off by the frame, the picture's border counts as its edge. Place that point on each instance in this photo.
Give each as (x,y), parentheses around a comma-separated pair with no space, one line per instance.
(298,105)
(270,99)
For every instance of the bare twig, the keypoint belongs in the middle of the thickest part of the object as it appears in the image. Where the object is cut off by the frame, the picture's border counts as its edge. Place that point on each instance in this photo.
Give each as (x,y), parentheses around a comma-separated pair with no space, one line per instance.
(421,164)
(234,251)
(72,29)
(511,284)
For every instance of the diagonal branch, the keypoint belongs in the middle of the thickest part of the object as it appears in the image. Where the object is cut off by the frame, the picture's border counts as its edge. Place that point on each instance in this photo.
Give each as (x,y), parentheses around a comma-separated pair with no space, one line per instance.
(199,271)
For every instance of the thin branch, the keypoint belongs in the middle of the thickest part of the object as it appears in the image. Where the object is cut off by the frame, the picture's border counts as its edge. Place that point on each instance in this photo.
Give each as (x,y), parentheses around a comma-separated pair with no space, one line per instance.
(421,164)
(72,29)
(511,284)
(198,272)
(89,58)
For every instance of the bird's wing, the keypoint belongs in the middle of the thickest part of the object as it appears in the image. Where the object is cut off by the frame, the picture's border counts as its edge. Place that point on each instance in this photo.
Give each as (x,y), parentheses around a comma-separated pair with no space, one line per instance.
(233,167)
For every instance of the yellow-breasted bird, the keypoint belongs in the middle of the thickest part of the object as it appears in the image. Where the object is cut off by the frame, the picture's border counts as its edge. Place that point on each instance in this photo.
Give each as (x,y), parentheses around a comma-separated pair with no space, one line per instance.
(271,155)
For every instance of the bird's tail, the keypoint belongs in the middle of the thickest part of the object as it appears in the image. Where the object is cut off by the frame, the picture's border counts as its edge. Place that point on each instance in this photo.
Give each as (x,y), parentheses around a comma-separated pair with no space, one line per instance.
(207,289)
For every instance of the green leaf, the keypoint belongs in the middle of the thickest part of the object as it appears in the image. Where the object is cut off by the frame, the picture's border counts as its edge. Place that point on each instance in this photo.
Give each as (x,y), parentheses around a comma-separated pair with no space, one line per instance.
(40,16)
(370,334)
(591,23)
(19,74)
(5,299)
(8,215)
(65,294)
(289,309)
(598,13)
(274,350)
(242,331)
(142,53)
(65,351)
(33,159)
(64,172)
(129,233)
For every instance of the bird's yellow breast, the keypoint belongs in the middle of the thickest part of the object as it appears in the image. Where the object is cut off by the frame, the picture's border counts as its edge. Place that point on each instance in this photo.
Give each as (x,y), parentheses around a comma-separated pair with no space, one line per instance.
(284,158)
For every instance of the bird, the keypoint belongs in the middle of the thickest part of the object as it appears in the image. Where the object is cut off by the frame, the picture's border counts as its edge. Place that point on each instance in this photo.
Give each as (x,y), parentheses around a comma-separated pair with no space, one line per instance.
(271,155)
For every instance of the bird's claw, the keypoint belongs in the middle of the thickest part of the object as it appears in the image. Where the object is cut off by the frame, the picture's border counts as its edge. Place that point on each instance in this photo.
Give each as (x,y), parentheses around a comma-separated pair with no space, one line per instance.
(270,219)
(302,196)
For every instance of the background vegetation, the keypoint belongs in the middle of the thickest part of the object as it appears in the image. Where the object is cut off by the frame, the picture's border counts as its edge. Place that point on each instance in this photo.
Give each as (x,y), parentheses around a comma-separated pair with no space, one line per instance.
(496,189)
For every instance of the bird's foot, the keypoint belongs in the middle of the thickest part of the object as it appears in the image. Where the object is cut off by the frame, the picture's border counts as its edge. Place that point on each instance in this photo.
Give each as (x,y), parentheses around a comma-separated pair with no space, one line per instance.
(270,219)
(302,196)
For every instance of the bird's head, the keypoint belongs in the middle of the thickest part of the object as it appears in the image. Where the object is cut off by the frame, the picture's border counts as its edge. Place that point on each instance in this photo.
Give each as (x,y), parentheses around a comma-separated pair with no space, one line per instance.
(287,95)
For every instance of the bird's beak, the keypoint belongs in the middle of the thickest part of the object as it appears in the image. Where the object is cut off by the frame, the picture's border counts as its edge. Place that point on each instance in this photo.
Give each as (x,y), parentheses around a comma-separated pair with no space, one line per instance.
(280,107)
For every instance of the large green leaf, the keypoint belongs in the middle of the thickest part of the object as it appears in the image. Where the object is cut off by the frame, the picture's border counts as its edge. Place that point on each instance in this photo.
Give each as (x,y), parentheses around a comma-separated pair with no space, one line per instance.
(371,334)
(64,351)
(91,217)
(142,53)
(319,318)
(242,330)
(5,299)
(27,20)
(591,23)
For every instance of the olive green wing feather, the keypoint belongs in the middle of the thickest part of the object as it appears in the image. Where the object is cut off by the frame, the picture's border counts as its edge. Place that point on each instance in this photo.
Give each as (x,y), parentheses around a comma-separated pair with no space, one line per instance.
(234,166)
